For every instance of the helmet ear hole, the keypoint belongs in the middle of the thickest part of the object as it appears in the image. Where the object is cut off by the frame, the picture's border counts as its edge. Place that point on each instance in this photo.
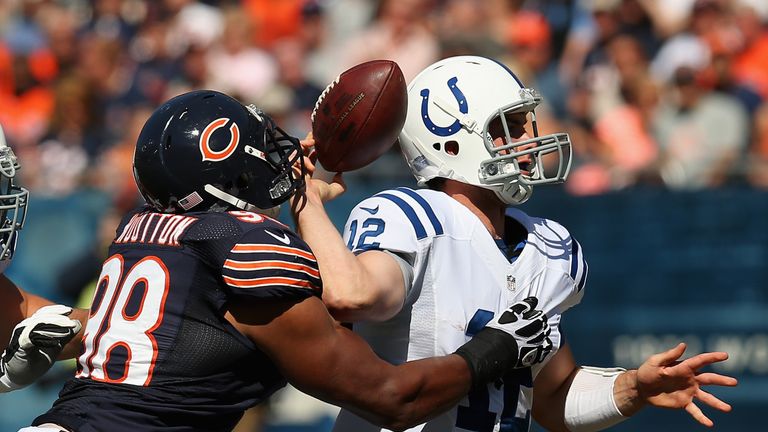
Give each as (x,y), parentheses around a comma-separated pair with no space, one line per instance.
(452,148)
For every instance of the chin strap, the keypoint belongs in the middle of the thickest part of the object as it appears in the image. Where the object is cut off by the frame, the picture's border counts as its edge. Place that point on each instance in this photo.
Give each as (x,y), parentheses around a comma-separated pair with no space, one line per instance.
(514,194)
(231,199)
(237,202)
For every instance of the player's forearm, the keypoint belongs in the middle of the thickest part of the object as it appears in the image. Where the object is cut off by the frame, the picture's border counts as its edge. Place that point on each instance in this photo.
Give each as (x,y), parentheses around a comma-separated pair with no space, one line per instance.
(16,305)
(343,370)
(345,290)
(413,393)
(627,395)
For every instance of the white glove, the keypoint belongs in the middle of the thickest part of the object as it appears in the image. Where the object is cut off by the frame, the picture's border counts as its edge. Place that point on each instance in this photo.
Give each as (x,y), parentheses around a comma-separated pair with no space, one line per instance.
(35,344)
(530,328)
(517,339)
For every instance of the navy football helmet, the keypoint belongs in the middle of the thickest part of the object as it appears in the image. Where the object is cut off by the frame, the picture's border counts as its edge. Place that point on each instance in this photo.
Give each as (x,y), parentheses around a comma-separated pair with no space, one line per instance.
(204,150)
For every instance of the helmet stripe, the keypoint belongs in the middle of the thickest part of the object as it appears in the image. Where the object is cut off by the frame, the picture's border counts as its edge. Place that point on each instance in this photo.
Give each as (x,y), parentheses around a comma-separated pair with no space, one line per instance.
(520,83)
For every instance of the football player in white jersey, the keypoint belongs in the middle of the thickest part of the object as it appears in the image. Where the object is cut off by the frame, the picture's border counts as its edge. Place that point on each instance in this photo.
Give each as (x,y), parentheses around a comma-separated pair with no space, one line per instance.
(419,271)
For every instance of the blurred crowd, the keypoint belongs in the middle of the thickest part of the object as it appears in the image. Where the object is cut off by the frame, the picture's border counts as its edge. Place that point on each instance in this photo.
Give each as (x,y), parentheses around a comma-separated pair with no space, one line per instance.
(668,93)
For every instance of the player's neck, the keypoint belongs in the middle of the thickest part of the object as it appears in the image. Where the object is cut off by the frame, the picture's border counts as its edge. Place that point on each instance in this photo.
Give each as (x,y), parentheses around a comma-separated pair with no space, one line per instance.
(483,203)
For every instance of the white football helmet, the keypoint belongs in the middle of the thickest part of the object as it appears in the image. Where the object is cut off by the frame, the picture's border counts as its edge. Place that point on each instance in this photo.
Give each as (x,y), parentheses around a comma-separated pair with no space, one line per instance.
(450,107)
(13,203)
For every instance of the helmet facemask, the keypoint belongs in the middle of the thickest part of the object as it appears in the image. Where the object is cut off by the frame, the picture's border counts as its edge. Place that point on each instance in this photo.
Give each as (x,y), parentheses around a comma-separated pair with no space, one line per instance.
(283,153)
(13,202)
(505,169)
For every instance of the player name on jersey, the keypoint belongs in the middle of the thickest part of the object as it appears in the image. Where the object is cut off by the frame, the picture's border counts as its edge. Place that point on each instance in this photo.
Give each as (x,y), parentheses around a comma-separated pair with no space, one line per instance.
(155,228)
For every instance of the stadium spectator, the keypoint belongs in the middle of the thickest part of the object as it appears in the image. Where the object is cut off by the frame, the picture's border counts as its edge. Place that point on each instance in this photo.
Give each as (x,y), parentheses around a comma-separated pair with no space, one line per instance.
(26,103)
(757,161)
(400,33)
(463,28)
(529,41)
(235,65)
(750,65)
(63,153)
(702,134)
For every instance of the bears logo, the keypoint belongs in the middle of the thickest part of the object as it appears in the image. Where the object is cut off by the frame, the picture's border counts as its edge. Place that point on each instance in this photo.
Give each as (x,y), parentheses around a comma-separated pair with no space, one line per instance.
(205,140)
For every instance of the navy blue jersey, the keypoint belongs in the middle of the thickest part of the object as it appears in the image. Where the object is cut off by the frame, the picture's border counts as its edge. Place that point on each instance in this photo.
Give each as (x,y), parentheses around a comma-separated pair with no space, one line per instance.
(158,353)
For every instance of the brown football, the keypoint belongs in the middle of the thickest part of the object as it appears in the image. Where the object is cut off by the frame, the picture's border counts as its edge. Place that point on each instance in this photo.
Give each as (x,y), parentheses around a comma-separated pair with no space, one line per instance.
(359,115)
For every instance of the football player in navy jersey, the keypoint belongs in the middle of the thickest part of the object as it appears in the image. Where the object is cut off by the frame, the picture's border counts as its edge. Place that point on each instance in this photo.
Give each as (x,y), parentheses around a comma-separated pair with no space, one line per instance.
(206,305)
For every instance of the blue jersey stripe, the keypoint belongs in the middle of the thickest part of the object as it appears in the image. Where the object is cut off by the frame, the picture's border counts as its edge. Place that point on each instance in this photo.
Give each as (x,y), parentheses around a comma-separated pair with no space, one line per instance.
(478,321)
(427,208)
(574,258)
(584,274)
(421,232)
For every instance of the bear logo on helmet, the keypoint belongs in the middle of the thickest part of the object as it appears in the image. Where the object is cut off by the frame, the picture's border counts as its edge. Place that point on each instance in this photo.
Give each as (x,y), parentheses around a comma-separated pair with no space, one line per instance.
(205,140)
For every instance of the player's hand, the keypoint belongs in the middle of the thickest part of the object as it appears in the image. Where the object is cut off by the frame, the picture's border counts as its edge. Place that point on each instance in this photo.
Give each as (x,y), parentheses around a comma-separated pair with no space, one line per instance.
(316,190)
(531,330)
(35,344)
(518,338)
(665,381)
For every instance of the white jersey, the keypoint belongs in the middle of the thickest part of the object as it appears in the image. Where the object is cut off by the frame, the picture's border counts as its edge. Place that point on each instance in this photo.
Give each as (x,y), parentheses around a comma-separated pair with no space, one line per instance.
(461,281)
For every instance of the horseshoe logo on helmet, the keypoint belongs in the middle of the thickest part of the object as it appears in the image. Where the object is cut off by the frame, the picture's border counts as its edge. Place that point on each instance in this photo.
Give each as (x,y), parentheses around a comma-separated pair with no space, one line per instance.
(453,127)
(205,140)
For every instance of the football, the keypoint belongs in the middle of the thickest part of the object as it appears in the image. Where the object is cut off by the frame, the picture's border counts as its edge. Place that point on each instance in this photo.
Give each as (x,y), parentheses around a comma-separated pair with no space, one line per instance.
(358,117)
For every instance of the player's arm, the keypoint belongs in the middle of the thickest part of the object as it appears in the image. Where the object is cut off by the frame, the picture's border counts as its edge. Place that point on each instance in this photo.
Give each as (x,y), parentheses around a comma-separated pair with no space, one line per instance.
(569,397)
(18,305)
(37,331)
(368,286)
(326,360)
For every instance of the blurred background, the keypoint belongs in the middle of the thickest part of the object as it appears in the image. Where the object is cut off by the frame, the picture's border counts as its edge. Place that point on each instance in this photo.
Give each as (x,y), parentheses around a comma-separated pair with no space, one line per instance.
(665,102)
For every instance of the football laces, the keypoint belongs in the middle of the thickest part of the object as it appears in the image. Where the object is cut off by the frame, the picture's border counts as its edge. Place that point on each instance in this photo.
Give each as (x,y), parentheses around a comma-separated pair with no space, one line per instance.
(322,97)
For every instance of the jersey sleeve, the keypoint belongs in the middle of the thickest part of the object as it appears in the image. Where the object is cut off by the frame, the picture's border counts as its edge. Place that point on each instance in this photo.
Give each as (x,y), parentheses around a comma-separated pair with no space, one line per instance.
(380,223)
(579,270)
(271,262)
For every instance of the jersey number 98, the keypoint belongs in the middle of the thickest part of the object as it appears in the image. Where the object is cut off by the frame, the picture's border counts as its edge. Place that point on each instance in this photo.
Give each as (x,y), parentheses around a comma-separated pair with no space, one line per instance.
(127,307)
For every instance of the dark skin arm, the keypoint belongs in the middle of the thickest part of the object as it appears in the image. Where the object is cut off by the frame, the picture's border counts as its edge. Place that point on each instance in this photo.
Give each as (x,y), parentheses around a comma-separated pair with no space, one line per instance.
(18,304)
(325,360)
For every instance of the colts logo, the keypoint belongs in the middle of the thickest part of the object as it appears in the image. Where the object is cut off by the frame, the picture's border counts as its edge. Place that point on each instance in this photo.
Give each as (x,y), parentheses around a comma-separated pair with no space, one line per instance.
(205,140)
(456,125)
